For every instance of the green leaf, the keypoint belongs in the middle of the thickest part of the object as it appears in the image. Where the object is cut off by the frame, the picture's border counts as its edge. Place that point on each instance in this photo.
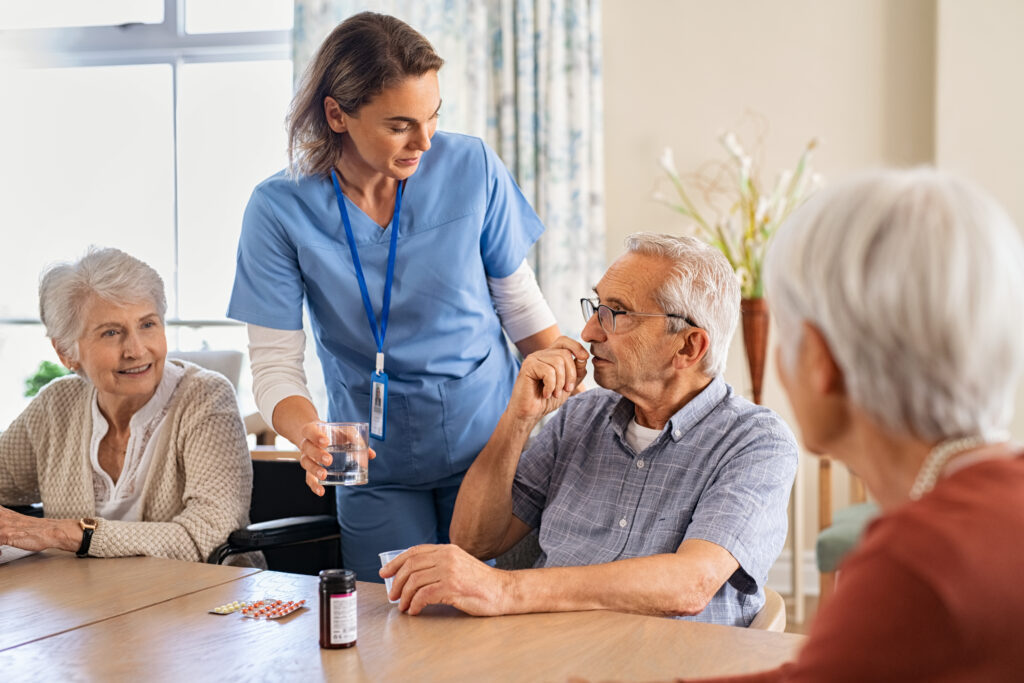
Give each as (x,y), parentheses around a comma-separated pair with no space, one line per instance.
(46,373)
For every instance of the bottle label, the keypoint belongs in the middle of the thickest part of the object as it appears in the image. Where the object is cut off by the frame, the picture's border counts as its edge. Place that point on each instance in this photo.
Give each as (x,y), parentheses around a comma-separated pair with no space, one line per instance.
(343,618)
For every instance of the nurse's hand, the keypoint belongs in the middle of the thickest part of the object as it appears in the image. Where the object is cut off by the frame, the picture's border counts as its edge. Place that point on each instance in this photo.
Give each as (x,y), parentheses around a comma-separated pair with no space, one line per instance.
(315,457)
(547,379)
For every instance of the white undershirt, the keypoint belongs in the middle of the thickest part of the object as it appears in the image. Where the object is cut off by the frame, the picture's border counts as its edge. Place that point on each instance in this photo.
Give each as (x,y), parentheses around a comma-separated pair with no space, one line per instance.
(639,437)
(123,500)
(276,356)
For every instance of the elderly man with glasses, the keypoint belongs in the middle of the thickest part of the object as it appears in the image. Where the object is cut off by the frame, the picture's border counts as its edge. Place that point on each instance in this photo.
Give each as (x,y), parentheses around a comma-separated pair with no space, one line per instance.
(661,493)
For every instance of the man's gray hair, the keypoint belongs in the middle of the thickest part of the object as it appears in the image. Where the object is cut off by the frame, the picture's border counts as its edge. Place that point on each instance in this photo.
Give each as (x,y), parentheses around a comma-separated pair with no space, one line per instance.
(704,288)
(110,274)
(916,280)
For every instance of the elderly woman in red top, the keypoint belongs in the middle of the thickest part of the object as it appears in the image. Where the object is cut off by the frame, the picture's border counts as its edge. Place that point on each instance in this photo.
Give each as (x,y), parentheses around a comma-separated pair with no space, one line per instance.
(898,296)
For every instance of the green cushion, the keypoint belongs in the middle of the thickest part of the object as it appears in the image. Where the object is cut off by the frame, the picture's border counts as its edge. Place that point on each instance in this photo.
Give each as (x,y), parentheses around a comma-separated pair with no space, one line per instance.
(837,540)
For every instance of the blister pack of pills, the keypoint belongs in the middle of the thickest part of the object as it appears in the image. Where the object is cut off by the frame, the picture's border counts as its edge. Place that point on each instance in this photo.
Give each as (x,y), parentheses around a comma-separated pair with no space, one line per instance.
(271,608)
(229,608)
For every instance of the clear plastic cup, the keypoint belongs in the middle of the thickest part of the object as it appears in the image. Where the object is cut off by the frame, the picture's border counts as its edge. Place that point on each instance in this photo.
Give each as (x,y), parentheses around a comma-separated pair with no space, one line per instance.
(386,557)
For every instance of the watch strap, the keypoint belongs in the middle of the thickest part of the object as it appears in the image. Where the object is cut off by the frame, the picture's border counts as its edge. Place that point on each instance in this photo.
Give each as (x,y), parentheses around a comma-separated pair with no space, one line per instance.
(88,526)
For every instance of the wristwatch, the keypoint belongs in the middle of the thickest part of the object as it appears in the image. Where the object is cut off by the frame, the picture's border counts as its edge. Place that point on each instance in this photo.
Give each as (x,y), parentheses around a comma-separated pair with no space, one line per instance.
(88,525)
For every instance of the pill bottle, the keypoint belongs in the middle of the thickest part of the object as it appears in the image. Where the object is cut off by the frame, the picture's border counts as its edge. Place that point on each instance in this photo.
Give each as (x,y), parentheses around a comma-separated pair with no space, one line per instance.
(337,608)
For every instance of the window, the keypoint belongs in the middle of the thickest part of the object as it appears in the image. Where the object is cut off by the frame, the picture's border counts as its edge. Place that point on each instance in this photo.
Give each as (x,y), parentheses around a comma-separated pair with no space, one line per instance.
(142,125)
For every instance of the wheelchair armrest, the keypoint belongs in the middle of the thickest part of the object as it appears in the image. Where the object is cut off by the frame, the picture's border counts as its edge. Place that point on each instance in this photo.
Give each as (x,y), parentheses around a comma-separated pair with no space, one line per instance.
(285,531)
(276,533)
(33,510)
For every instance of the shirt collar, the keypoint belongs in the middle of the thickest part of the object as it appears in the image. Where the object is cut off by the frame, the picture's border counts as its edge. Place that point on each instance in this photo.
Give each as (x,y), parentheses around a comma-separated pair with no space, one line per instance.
(699,407)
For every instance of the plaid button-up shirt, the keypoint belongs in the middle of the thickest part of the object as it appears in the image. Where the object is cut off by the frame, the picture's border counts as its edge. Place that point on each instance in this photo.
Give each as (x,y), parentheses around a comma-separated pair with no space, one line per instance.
(721,470)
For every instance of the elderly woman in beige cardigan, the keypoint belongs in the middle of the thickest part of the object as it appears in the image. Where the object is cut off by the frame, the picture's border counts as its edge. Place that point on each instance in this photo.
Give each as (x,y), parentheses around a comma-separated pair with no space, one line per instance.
(134,454)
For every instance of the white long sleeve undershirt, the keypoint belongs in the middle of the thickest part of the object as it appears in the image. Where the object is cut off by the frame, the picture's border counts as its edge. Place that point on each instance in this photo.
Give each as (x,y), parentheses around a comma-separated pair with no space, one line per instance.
(276,356)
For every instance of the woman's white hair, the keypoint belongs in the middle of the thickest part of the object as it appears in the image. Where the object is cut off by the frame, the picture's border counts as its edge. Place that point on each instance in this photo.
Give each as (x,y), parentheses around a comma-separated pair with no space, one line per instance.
(110,274)
(705,289)
(916,280)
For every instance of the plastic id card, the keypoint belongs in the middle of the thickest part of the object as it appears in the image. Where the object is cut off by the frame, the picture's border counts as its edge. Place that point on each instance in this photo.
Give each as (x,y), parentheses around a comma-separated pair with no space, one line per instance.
(378,404)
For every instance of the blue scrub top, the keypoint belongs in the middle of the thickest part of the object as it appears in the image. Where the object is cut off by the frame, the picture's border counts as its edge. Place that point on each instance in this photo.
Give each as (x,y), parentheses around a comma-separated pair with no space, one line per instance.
(449,367)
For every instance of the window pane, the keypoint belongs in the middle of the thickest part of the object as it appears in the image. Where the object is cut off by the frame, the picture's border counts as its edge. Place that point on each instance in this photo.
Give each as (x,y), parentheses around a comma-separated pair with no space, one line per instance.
(231,136)
(86,157)
(228,16)
(22,348)
(68,13)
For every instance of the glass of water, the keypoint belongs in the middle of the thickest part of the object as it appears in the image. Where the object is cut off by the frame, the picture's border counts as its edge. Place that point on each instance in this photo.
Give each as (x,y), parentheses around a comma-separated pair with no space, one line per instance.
(348,443)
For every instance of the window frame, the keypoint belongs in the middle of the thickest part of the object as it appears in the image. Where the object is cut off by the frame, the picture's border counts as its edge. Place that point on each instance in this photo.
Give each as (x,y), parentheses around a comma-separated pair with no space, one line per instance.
(137,44)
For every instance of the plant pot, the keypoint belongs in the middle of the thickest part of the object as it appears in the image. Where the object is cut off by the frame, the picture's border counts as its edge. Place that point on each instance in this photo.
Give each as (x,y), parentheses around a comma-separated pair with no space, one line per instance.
(754,313)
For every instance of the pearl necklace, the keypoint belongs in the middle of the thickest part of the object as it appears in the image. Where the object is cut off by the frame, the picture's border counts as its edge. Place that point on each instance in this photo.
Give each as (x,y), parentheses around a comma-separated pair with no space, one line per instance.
(932,466)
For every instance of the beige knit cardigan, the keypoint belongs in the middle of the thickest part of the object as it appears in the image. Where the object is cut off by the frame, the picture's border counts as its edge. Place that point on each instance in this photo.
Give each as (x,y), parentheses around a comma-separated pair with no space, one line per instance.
(197,489)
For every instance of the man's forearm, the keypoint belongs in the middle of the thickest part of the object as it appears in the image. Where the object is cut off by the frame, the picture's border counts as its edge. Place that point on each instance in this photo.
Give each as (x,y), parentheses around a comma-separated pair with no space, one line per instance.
(660,585)
(483,508)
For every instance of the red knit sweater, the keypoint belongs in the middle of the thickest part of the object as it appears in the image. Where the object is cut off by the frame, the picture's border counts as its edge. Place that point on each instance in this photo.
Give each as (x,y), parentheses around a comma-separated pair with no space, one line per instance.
(934,591)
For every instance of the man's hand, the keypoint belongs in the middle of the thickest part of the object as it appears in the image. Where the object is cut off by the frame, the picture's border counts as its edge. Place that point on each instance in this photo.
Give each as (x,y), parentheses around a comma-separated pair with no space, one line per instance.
(315,457)
(447,575)
(547,379)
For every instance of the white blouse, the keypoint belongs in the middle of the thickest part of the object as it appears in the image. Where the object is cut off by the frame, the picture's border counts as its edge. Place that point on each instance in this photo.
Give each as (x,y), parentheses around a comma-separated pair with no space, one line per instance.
(122,500)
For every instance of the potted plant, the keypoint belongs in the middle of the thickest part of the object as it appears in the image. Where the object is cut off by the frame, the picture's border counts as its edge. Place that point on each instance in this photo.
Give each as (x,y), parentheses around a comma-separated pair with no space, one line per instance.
(743,231)
(45,373)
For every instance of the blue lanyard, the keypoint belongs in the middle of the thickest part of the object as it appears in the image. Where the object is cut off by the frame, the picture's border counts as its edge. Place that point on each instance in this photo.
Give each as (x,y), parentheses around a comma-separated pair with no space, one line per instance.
(378,334)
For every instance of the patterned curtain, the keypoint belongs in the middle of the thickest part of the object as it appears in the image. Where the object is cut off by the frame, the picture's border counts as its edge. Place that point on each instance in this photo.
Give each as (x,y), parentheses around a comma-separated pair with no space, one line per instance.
(525,75)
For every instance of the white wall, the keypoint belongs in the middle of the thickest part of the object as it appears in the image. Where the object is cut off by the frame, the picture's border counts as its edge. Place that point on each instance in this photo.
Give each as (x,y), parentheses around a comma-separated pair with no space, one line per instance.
(855,73)
(979,121)
(858,74)
(979,127)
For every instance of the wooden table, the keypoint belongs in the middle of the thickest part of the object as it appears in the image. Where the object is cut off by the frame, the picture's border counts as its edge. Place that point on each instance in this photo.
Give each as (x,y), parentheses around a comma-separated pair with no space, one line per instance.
(54,591)
(180,640)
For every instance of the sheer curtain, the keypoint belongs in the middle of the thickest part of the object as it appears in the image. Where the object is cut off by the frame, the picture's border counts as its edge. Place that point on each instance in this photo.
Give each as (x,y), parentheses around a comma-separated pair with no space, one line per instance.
(525,75)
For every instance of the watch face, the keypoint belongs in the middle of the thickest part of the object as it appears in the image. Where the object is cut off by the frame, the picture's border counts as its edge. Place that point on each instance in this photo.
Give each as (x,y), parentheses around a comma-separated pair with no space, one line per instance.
(87,523)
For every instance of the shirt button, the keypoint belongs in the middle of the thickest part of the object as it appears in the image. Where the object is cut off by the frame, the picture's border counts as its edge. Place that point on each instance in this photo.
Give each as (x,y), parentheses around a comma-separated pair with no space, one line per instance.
(677,433)
(640,464)
(622,523)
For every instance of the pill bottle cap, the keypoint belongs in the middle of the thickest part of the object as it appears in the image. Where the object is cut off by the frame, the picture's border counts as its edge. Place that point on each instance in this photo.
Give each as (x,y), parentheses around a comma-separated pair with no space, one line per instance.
(338,580)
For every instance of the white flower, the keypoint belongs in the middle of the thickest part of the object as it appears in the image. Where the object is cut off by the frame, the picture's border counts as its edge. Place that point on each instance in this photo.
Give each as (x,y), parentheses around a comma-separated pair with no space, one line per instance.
(732,145)
(668,161)
(762,209)
(746,163)
(743,233)
(744,276)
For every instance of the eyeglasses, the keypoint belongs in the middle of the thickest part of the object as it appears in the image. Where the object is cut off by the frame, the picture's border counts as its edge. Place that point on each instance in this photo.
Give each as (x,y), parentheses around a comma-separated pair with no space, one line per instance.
(606,316)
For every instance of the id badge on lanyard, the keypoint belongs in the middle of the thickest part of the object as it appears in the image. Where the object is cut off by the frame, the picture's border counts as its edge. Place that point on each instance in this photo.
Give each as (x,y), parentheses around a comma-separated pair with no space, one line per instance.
(379,400)
(379,379)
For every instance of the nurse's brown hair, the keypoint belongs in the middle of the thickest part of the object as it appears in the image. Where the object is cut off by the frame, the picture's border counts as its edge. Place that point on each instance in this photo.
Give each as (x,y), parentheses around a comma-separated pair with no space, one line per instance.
(364,55)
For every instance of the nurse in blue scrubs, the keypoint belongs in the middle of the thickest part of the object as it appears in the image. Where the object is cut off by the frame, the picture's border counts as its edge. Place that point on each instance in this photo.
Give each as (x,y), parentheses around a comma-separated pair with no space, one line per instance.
(407,247)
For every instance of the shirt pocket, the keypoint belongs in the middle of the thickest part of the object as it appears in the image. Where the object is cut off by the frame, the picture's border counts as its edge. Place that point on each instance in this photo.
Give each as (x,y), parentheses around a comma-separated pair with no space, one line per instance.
(398,459)
(669,529)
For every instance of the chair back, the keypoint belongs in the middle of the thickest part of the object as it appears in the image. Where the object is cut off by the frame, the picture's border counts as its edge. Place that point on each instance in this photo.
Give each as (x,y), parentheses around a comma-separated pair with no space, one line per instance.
(840,529)
(226,362)
(772,616)
(279,490)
